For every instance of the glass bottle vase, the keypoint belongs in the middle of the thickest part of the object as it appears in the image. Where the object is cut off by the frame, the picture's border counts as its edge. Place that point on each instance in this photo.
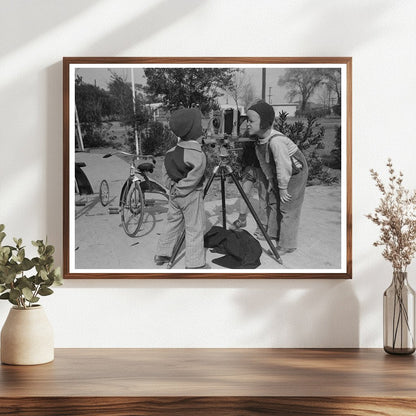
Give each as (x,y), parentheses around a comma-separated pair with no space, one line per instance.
(399,316)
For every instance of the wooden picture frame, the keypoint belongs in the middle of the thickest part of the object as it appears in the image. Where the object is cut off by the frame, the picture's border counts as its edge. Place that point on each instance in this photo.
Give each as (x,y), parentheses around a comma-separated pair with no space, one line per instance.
(97,112)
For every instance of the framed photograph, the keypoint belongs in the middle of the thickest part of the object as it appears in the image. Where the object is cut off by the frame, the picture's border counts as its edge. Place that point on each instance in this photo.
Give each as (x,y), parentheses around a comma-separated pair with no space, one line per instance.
(207,168)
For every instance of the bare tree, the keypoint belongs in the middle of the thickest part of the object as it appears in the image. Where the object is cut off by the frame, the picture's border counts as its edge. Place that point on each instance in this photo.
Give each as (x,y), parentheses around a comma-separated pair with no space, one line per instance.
(241,88)
(324,94)
(302,83)
(332,80)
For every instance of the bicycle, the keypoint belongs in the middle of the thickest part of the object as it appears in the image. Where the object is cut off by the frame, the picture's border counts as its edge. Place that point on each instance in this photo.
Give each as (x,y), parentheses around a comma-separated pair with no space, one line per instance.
(132,201)
(83,186)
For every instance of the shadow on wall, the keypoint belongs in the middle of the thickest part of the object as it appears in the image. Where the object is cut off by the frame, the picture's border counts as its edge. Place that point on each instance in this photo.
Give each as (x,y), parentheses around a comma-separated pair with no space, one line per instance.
(147,24)
(338,18)
(132,33)
(300,313)
(282,313)
(45,16)
(4,311)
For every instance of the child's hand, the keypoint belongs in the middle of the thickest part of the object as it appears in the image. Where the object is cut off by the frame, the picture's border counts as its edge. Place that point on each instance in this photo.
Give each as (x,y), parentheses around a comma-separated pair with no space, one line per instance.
(284,195)
(271,186)
(173,190)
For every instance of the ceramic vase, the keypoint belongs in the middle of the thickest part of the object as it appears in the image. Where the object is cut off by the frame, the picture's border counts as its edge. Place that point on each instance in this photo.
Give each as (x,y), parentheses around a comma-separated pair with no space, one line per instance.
(27,337)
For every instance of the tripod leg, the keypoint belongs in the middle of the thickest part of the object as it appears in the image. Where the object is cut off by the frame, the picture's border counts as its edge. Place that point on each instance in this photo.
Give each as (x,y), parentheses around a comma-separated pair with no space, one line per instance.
(257,219)
(181,239)
(176,249)
(211,178)
(224,212)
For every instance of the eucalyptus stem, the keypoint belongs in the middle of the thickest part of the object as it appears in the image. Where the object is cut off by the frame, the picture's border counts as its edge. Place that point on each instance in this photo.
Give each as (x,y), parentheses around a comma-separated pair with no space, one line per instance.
(19,274)
(35,294)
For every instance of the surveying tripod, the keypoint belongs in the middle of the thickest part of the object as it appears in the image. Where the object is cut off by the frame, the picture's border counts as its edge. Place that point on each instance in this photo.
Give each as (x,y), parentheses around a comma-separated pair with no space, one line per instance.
(222,170)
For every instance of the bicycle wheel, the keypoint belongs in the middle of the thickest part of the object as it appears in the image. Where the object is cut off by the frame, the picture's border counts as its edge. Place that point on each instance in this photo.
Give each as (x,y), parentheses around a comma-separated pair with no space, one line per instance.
(132,209)
(104,193)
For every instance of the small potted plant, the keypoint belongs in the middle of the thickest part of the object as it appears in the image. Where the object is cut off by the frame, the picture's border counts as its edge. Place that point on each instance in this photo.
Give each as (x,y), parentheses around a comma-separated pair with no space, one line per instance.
(396,217)
(27,336)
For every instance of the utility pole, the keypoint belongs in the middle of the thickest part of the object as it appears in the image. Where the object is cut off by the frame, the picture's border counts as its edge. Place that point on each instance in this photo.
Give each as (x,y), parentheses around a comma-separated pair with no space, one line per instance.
(263,84)
(136,138)
(78,133)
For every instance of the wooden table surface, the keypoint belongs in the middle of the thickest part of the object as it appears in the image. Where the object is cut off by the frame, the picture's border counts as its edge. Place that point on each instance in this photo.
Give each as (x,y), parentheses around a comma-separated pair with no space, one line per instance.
(212,382)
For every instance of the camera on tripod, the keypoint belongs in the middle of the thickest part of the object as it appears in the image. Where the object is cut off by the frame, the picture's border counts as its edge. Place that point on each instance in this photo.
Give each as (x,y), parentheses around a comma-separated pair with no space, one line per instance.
(223,129)
(226,122)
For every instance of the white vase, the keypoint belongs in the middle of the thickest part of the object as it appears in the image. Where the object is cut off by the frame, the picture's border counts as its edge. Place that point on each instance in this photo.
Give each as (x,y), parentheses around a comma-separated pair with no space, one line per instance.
(27,337)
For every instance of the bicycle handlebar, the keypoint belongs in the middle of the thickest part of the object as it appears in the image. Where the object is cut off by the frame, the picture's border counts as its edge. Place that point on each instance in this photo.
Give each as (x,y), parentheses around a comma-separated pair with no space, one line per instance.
(107,155)
(128,154)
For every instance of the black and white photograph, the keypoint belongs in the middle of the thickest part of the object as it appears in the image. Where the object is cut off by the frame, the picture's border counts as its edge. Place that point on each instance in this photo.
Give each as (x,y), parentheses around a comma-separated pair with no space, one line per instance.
(217,168)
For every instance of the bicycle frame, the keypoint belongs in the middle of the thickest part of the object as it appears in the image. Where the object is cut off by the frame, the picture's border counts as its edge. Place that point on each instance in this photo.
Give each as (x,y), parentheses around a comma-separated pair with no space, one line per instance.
(146,184)
(132,200)
(126,186)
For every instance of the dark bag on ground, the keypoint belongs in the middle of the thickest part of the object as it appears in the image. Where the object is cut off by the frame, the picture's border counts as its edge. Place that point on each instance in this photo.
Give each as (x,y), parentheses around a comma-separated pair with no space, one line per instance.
(241,249)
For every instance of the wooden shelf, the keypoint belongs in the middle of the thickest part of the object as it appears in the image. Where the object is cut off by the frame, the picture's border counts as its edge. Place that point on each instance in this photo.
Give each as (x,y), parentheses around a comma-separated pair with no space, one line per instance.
(212,382)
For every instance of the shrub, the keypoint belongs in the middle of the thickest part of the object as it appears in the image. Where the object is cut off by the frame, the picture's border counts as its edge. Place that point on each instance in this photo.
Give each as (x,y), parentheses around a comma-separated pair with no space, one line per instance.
(156,139)
(304,135)
(95,134)
(337,109)
(335,160)
(308,137)
(314,112)
(318,173)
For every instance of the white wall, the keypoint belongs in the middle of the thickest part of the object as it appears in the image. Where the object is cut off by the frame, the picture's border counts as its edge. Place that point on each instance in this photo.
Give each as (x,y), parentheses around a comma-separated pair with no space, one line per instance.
(380,35)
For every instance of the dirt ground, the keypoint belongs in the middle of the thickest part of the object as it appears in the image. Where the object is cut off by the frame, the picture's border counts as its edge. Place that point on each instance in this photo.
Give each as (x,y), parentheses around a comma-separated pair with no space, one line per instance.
(102,245)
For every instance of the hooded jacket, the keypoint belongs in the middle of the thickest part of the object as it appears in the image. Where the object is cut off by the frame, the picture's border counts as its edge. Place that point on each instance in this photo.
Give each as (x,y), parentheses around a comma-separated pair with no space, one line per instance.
(184,168)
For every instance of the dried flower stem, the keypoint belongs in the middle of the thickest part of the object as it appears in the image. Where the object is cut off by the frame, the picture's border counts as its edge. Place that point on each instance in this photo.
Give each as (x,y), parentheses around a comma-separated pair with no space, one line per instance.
(396,216)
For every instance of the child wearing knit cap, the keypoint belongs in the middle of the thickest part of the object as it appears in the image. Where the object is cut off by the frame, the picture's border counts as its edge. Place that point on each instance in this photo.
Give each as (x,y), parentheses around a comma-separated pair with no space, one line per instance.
(286,170)
(183,174)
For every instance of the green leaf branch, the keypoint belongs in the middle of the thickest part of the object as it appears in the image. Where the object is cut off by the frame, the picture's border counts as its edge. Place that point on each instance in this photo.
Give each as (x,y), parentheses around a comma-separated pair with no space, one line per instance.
(23,280)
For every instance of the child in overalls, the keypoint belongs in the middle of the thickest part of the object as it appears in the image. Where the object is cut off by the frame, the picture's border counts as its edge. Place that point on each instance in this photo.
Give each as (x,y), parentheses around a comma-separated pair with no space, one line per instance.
(252,175)
(286,170)
(183,175)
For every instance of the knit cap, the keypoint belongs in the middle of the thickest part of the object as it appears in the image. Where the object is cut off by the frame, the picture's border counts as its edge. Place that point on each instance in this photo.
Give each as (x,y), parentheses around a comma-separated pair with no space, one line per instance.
(186,123)
(266,113)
